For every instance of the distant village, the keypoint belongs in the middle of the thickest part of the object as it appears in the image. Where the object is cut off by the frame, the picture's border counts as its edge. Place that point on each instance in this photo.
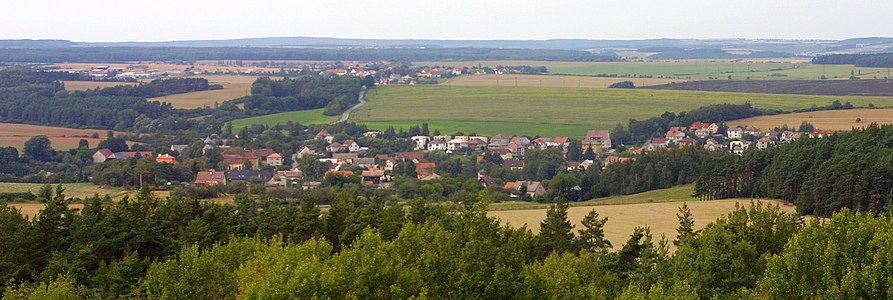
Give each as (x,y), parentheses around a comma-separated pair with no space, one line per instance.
(347,157)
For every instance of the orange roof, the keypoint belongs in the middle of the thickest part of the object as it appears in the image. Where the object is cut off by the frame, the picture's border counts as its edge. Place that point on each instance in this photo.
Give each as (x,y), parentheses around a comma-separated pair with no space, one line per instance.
(274,155)
(339,172)
(509,185)
(166,158)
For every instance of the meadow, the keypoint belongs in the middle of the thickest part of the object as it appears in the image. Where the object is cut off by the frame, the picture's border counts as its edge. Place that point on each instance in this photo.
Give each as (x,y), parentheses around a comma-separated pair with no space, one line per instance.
(75,190)
(826,119)
(305,117)
(660,217)
(552,111)
(15,135)
(234,86)
(89,85)
(762,69)
(550,81)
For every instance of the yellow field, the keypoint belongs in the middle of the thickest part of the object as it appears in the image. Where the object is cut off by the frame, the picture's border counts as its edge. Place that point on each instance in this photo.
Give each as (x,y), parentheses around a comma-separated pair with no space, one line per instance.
(234,86)
(15,135)
(29,210)
(827,119)
(624,218)
(550,81)
(89,85)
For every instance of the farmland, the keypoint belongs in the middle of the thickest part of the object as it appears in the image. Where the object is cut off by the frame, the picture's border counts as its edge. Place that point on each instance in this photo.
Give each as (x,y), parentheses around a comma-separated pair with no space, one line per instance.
(75,190)
(551,111)
(550,81)
(624,218)
(870,87)
(15,135)
(763,69)
(89,85)
(826,119)
(233,87)
(305,117)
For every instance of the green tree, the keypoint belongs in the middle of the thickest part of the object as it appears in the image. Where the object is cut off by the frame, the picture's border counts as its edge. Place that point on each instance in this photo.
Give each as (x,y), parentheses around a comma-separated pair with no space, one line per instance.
(592,236)
(39,148)
(685,231)
(556,233)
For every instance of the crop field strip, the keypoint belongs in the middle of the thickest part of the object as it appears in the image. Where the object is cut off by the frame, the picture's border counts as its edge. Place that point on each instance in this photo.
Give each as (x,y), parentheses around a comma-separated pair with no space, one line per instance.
(826,119)
(15,135)
(553,111)
(550,81)
(305,117)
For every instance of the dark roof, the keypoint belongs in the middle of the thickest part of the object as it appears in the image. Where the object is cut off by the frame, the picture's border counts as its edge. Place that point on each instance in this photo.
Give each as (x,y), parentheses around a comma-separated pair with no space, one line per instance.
(245,175)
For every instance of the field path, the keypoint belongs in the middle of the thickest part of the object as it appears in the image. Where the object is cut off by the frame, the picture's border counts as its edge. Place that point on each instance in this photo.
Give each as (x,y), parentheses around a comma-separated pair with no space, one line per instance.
(362,98)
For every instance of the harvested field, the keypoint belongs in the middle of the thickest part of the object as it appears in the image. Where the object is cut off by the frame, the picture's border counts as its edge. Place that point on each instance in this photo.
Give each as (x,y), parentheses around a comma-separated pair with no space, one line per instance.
(89,85)
(869,87)
(234,86)
(15,135)
(550,81)
(624,218)
(826,119)
(29,210)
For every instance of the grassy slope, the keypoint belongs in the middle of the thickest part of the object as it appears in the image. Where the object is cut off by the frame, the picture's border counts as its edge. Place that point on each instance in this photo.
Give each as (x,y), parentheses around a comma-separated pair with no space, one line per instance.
(551,111)
(76,190)
(305,117)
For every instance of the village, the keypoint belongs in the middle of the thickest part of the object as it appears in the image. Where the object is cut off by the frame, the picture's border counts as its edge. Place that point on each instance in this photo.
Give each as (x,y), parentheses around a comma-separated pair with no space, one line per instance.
(348,158)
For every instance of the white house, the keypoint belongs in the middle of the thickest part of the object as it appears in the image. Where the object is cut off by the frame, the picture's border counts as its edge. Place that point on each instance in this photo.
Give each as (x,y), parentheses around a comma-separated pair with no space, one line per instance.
(735,133)
(421,142)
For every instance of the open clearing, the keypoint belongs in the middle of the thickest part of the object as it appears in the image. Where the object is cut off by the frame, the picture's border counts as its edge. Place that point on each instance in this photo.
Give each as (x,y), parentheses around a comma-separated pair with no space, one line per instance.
(552,111)
(305,117)
(624,218)
(550,81)
(826,119)
(234,86)
(15,135)
(757,69)
(89,85)
(72,190)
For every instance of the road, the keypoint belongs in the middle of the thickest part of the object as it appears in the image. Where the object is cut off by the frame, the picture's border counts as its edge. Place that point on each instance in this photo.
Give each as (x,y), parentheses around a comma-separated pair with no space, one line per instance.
(362,99)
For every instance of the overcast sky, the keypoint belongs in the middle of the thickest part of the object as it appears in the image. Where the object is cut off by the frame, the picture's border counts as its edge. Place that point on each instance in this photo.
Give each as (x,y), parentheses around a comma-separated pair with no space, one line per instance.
(162,20)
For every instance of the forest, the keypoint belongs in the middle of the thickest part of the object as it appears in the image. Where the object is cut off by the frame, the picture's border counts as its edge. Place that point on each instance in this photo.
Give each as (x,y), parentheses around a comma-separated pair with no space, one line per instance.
(880,60)
(364,247)
(852,170)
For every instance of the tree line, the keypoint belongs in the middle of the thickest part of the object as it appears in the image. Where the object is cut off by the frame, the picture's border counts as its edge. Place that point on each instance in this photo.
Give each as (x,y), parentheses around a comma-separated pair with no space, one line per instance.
(879,60)
(366,247)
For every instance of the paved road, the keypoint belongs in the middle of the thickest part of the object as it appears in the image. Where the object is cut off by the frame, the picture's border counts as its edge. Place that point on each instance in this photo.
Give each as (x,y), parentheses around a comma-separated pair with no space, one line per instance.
(346,114)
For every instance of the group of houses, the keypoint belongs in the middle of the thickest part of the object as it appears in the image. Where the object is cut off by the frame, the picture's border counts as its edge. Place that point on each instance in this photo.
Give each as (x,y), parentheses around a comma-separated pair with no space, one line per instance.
(736,139)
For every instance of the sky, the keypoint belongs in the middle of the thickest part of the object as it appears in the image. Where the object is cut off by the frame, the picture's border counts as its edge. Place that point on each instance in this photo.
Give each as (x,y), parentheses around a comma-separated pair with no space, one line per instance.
(166,20)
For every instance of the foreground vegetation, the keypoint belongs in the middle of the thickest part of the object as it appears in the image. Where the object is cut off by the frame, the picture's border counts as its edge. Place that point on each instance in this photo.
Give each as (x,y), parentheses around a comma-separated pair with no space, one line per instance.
(553,111)
(364,247)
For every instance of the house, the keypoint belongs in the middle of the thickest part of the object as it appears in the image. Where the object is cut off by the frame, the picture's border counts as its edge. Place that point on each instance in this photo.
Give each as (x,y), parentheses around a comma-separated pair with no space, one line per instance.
(534,188)
(286,178)
(500,140)
(735,133)
(365,162)
(675,136)
(351,145)
(686,142)
(344,158)
(476,144)
(178,148)
(517,150)
(210,177)
(560,142)
(456,144)
(374,177)
(540,143)
(764,143)
(702,133)
(274,159)
(713,145)
(415,157)
(342,173)
(820,133)
(616,159)
(504,153)
(165,158)
(324,135)
(789,136)
(307,150)
(714,128)
(102,155)
(573,165)
(336,147)
(487,181)
(598,140)
(389,164)
(514,164)
(372,134)
(130,154)
(753,131)
(698,125)
(656,143)
(421,142)
(425,170)
(738,147)
(679,128)
(248,175)
(437,144)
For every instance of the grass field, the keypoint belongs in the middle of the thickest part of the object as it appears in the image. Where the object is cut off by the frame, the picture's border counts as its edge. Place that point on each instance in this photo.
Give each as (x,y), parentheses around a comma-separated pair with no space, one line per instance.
(660,217)
(89,85)
(305,117)
(551,111)
(828,119)
(234,86)
(674,194)
(15,135)
(762,69)
(76,190)
(550,81)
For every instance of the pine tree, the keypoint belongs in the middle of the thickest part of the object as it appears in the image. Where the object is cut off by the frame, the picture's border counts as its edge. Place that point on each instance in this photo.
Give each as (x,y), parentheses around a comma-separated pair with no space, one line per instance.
(592,237)
(556,233)
(685,230)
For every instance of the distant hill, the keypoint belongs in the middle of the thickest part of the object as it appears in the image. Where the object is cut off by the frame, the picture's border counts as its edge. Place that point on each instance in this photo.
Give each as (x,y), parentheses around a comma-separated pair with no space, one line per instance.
(35,44)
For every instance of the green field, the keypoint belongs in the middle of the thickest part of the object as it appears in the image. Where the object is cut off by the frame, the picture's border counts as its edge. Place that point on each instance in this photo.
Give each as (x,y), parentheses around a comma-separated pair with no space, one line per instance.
(794,69)
(551,111)
(305,117)
(682,193)
(77,190)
